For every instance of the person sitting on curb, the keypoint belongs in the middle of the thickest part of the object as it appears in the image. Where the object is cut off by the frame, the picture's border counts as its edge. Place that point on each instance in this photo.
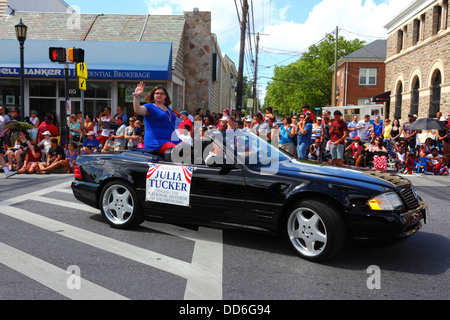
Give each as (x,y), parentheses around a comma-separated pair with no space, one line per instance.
(55,155)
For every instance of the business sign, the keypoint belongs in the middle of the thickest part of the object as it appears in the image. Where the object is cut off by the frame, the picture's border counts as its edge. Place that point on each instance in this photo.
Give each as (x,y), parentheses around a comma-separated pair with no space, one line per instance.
(169,184)
(91,74)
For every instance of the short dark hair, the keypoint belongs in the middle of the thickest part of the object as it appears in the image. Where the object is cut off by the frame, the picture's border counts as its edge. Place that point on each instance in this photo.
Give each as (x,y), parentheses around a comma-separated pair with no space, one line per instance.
(337,113)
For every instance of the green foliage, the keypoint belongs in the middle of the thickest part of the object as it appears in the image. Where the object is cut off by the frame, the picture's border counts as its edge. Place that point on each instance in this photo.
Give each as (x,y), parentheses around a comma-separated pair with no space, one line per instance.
(309,79)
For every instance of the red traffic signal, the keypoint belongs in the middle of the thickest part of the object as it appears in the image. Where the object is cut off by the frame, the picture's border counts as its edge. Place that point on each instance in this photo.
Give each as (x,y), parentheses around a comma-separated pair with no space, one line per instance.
(76,55)
(57,54)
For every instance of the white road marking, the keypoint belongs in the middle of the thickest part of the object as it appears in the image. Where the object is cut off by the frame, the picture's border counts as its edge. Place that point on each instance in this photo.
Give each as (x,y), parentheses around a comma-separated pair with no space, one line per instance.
(52,276)
(204,274)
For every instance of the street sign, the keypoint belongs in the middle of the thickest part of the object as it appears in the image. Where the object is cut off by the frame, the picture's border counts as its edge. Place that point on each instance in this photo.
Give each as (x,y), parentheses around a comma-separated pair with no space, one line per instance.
(82,84)
(82,71)
(75,55)
(57,54)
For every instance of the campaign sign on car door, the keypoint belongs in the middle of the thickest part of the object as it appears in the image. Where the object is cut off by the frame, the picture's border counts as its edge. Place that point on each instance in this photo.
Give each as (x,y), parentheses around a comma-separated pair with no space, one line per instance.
(169,184)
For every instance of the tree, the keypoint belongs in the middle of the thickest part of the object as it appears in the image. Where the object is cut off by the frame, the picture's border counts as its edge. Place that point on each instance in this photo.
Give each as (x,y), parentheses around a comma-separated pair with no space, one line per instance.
(308,80)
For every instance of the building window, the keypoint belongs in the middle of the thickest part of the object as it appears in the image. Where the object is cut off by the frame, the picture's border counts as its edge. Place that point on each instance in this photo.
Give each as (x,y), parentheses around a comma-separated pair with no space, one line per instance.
(435,95)
(399,41)
(437,19)
(398,102)
(43,97)
(415,97)
(9,94)
(367,77)
(126,90)
(416,31)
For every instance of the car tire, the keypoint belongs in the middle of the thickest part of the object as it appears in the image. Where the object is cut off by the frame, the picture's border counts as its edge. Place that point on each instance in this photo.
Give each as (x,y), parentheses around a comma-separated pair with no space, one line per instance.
(315,230)
(119,204)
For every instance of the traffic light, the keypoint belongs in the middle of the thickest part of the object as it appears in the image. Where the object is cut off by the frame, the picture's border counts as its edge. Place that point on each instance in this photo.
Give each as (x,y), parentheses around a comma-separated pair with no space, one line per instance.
(57,54)
(76,55)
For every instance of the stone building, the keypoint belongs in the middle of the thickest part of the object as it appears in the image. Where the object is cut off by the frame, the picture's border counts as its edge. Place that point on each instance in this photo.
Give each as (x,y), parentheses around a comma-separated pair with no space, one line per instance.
(418,60)
(178,51)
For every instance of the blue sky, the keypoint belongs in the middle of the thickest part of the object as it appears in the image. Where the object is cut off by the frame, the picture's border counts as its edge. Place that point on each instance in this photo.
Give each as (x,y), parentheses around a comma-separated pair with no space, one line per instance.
(290,26)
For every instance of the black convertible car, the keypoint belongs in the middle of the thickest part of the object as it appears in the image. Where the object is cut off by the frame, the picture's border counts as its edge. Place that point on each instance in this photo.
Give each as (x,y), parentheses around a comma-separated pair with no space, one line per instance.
(241,181)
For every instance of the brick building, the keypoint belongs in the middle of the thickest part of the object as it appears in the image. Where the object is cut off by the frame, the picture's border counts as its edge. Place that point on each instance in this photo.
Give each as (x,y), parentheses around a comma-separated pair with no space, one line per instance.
(361,75)
(418,60)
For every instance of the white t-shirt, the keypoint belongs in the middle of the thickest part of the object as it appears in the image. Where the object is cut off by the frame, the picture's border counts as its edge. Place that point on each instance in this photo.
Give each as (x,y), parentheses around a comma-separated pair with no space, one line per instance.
(363,133)
(434,161)
(3,119)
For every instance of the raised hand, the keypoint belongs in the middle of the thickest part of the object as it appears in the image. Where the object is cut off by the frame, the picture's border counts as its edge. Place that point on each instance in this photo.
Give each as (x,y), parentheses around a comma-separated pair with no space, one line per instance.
(140,88)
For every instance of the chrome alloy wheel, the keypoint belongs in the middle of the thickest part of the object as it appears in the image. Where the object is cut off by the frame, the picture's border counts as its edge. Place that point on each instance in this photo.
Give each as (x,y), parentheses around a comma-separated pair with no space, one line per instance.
(118,204)
(307,232)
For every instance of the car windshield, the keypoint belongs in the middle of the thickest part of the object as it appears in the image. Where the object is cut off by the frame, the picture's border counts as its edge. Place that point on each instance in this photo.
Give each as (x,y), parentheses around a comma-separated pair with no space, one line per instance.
(246,148)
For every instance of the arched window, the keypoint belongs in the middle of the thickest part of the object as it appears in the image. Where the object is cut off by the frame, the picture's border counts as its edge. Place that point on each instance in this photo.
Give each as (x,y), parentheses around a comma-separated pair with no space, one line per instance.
(435,105)
(415,96)
(398,102)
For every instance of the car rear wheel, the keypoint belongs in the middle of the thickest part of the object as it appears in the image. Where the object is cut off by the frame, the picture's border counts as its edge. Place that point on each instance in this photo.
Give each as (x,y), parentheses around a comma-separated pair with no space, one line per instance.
(315,230)
(119,204)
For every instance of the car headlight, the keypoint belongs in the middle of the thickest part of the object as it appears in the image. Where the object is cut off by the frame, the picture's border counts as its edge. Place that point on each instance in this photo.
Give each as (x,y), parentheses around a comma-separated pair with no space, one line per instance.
(386,202)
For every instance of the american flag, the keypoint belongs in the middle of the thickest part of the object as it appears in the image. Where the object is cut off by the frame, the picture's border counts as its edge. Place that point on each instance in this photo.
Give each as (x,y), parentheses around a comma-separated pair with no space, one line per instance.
(152,169)
(188,173)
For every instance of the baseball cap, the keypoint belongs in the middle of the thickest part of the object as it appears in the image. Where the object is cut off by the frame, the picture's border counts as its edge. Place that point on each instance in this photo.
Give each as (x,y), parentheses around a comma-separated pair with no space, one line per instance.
(91,133)
(184,112)
(356,138)
(47,133)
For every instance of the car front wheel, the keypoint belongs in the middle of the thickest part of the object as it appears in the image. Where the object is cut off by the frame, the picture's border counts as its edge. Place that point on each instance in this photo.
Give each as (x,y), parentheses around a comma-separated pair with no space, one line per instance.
(315,230)
(119,204)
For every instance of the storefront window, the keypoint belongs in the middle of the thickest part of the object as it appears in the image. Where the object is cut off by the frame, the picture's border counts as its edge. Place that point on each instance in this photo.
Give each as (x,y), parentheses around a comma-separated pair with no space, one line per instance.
(9,94)
(43,106)
(96,97)
(43,97)
(95,90)
(126,90)
(43,88)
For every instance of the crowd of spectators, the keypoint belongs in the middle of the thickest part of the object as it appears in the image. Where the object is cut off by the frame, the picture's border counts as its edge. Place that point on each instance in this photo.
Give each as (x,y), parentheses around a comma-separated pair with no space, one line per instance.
(326,138)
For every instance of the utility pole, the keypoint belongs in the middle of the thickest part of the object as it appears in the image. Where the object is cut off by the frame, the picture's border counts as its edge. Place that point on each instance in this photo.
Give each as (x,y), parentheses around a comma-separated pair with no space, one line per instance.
(255,98)
(335,67)
(240,83)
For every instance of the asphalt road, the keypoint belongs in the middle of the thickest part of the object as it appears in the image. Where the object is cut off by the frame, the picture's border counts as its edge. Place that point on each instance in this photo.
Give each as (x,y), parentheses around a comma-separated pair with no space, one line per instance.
(52,247)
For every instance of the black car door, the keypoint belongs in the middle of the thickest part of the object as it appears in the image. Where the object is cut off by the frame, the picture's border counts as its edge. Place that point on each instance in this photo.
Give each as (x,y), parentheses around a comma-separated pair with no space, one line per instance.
(216,194)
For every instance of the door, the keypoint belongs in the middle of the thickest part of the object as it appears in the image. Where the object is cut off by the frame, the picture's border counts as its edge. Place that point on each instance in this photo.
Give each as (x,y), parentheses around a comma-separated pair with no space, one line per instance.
(216,194)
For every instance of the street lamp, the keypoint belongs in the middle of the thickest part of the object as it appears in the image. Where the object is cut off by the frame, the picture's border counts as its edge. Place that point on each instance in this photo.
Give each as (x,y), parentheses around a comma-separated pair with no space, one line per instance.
(21,34)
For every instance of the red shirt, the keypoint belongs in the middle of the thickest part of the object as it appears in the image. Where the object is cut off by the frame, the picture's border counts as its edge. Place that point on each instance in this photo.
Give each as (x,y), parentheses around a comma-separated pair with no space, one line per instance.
(339,128)
(31,158)
(47,127)
(183,123)
(309,115)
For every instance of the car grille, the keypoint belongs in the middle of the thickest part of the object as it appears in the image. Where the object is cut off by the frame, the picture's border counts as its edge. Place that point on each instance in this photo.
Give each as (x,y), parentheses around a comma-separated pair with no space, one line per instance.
(410,197)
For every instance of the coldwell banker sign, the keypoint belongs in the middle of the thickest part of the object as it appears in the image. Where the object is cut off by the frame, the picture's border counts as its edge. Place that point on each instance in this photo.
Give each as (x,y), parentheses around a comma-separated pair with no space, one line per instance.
(92,74)
(106,60)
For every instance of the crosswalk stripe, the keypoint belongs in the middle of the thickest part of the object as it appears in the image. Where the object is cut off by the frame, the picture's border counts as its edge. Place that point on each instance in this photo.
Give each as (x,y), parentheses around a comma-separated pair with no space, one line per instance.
(52,276)
(123,249)
(204,274)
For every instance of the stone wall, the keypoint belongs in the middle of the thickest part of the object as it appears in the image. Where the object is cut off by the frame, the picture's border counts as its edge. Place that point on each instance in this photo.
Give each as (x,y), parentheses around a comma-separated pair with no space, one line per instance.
(197,60)
(421,57)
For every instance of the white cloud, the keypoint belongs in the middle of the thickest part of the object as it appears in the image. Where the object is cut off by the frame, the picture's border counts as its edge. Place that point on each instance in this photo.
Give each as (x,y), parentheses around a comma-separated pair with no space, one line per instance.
(358,19)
